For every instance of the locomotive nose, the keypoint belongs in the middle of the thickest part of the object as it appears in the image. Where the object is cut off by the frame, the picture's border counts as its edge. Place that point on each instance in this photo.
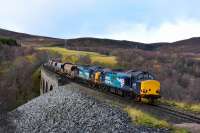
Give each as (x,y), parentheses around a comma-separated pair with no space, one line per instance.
(150,89)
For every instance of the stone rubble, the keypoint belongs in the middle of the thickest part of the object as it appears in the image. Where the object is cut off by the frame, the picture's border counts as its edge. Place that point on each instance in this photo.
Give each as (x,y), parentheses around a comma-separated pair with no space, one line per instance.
(68,110)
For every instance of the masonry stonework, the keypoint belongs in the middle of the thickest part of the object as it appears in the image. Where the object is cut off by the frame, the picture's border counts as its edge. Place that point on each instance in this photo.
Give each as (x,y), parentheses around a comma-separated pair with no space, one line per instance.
(49,81)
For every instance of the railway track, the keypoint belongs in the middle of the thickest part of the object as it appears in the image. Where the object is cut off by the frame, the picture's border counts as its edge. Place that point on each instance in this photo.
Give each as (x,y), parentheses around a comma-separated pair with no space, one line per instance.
(129,101)
(178,113)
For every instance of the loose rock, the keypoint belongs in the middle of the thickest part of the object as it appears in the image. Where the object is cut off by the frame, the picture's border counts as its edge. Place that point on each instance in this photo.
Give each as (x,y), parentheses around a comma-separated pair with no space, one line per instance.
(68,110)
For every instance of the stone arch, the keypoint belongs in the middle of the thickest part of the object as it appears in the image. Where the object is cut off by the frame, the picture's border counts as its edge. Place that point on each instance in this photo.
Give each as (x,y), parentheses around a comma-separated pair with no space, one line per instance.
(41,83)
(43,86)
(51,88)
(46,88)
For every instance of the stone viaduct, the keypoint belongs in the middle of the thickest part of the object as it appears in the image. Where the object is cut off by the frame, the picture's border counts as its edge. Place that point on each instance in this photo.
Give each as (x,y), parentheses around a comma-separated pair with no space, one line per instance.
(49,81)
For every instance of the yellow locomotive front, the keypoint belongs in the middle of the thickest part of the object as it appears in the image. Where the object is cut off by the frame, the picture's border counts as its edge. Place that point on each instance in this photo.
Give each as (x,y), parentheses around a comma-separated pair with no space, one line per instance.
(145,85)
(150,89)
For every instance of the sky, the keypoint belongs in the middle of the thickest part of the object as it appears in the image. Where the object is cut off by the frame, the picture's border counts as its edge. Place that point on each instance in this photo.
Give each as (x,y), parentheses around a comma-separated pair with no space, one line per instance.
(145,21)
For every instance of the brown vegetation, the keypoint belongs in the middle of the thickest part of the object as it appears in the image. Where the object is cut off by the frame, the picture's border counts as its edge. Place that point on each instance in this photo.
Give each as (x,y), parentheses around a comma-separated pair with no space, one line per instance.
(104,46)
(16,86)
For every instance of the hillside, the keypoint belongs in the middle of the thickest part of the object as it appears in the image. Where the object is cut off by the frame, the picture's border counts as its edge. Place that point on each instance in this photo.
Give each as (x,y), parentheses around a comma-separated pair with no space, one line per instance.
(27,39)
(93,44)
(188,45)
(108,43)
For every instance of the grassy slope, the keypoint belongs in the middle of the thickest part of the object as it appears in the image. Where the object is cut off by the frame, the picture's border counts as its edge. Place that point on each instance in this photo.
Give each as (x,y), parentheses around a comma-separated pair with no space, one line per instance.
(195,108)
(36,81)
(147,119)
(35,76)
(143,118)
(95,57)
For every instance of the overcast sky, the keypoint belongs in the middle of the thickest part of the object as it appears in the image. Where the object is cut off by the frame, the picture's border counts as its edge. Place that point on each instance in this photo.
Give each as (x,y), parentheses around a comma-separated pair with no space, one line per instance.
(134,20)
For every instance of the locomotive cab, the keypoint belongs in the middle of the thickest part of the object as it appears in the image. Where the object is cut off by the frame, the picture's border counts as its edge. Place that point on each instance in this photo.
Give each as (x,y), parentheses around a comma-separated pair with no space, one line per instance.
(145,85)
(149,87)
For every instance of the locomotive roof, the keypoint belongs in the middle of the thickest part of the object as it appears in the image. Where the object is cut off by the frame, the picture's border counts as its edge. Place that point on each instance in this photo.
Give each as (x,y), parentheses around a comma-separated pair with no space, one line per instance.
(67,63)
(118,70)
(135,73)
(95,68)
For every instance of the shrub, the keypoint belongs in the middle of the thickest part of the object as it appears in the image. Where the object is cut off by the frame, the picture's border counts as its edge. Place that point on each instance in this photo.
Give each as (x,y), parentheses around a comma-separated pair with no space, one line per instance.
(84,60)
(8,41)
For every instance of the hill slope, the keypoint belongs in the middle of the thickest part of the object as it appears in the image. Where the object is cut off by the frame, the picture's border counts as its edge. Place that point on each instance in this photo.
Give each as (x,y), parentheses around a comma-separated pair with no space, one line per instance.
(108,43)
(27,39)
(91,44)
(188,45)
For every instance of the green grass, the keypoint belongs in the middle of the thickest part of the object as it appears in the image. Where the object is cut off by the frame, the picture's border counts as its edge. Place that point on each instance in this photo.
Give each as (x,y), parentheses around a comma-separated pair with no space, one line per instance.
(31,58)
(8,41)
(36,81)
(183,106)
(143,118)
(179,130)
(73,55)
(4,67)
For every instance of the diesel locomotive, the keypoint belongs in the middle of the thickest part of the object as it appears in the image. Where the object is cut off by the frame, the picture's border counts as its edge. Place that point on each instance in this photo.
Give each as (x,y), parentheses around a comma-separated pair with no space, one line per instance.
(137,84)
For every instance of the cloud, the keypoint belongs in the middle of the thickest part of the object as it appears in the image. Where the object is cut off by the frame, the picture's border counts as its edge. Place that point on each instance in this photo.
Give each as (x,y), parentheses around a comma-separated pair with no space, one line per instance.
(165,32)
(35,15)
(144,21)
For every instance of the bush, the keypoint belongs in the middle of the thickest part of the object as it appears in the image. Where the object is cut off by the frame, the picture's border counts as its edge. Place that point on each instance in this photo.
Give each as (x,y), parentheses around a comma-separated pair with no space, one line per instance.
(17,85)
(7,41)
(84,60)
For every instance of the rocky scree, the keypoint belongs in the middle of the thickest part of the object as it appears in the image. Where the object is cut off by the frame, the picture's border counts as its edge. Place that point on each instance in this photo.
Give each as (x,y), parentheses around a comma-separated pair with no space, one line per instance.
(68,110)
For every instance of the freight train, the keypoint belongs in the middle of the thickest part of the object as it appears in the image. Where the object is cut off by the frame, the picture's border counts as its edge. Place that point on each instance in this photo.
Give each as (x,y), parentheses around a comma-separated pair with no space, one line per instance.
(137,84)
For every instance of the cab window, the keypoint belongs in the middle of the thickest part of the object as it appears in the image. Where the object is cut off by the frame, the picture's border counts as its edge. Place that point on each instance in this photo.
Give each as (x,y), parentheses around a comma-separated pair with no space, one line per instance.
(151,76)
(140,77)
(145,76)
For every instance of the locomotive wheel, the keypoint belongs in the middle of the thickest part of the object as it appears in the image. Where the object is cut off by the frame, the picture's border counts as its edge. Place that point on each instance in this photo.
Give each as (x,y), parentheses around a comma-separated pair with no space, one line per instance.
(93,85)
(98,86)
(151,101)
(112,90)
(105,88)
(120,92)
(90,84)
(125,93)
(138,98)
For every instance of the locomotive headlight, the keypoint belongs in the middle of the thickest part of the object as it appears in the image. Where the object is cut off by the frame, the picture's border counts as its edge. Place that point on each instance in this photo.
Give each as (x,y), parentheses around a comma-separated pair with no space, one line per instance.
(144,91)
(158,91)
